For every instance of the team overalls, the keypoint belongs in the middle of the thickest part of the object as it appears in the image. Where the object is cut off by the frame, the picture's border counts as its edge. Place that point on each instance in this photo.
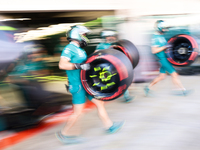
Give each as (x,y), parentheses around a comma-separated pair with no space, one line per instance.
(75,54)
(159,40)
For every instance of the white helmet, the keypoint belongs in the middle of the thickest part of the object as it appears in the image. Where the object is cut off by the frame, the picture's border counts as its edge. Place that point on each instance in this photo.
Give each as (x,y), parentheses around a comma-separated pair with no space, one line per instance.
(107,33)
(77,33)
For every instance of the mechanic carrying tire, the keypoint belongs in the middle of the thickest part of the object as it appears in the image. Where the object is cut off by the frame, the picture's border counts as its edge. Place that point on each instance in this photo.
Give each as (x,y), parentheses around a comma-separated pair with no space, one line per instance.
(73,60)
(106,54)
(110,74)
(159,46)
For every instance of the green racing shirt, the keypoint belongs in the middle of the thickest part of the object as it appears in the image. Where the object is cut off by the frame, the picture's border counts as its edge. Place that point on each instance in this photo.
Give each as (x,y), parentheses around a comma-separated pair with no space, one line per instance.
(74,54)
(159,40)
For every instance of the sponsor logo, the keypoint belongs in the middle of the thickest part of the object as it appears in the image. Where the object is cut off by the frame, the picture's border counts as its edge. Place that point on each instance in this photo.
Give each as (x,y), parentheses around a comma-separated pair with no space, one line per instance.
(67,51)
(80,53)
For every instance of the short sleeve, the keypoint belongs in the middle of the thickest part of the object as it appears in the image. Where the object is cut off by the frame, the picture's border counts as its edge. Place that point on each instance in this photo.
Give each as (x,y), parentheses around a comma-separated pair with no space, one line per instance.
(67,53)
(155,42)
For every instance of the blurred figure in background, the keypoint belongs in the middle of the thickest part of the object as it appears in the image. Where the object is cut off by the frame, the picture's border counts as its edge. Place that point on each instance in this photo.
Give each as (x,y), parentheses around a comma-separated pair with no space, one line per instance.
(31,62)
(72,60)
(110,37)
(159,45)
(37,63)
(60,46)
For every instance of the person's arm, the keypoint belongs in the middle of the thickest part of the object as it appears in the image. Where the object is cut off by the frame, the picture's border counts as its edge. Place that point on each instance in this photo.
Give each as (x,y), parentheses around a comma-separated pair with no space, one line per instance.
(155,49)
(65,64)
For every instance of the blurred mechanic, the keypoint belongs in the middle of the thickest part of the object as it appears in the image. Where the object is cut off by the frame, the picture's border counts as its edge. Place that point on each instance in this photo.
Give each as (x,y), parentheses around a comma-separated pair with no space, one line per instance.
(159,45)
(110,37)
(60,46)
(72,60)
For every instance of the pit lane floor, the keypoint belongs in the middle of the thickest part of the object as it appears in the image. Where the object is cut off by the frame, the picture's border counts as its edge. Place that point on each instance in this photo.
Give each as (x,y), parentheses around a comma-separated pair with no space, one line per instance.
(160,122)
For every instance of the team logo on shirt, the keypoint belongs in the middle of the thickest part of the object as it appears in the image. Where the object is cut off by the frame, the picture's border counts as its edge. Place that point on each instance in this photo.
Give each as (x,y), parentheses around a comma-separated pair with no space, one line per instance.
(67,51)
(81,53)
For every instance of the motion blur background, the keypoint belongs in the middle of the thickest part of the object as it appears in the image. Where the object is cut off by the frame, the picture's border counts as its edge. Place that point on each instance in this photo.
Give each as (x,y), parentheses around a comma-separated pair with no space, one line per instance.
(32,37)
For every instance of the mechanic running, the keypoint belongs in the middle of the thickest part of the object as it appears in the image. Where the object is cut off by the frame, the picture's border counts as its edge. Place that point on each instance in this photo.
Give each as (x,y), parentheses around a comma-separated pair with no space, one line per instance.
(159,45)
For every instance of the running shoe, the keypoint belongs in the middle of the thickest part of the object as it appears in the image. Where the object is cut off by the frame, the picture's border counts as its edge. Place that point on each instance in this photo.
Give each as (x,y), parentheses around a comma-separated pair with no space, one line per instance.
(68,139)
(182,92)
(115,127)
(146,90)
(129,99)
(187,92)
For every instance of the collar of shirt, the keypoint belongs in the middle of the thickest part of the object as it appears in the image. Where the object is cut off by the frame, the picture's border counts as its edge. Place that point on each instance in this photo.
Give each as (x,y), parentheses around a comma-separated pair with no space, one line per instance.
(75,44)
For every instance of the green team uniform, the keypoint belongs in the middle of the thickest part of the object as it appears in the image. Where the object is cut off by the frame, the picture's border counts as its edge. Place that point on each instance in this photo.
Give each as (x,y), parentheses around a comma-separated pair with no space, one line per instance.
(75,55)
(102,46)
(159,40)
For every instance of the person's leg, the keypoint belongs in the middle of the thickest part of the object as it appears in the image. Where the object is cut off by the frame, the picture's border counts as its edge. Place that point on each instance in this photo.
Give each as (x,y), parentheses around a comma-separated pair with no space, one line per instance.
(157,79)
(126,94)
(164,64)
(170,69)
(127,97)
(77,111)
(161,76)
(64,135)
(102,113)
(78,101)
(177,81)
(111,127)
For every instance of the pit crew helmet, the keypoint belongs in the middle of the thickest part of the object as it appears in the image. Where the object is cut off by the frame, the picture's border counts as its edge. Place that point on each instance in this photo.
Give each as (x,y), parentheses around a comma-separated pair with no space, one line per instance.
(78,33)
(108,32)
(160,26)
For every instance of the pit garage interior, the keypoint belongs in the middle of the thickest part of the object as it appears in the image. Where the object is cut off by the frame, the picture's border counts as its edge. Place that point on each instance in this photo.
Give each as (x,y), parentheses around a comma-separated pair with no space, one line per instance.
(39,21)
(29,22)
(34,20)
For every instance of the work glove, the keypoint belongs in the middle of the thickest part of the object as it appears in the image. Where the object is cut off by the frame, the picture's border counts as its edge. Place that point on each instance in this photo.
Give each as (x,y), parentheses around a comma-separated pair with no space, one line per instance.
(82,66)
(169,46)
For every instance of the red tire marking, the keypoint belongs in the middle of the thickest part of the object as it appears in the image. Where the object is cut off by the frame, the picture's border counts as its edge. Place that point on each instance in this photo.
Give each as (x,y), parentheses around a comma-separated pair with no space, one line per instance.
(175,63)
(117,63)
(192,56)
(125,52)
(120,91)
(191,39)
